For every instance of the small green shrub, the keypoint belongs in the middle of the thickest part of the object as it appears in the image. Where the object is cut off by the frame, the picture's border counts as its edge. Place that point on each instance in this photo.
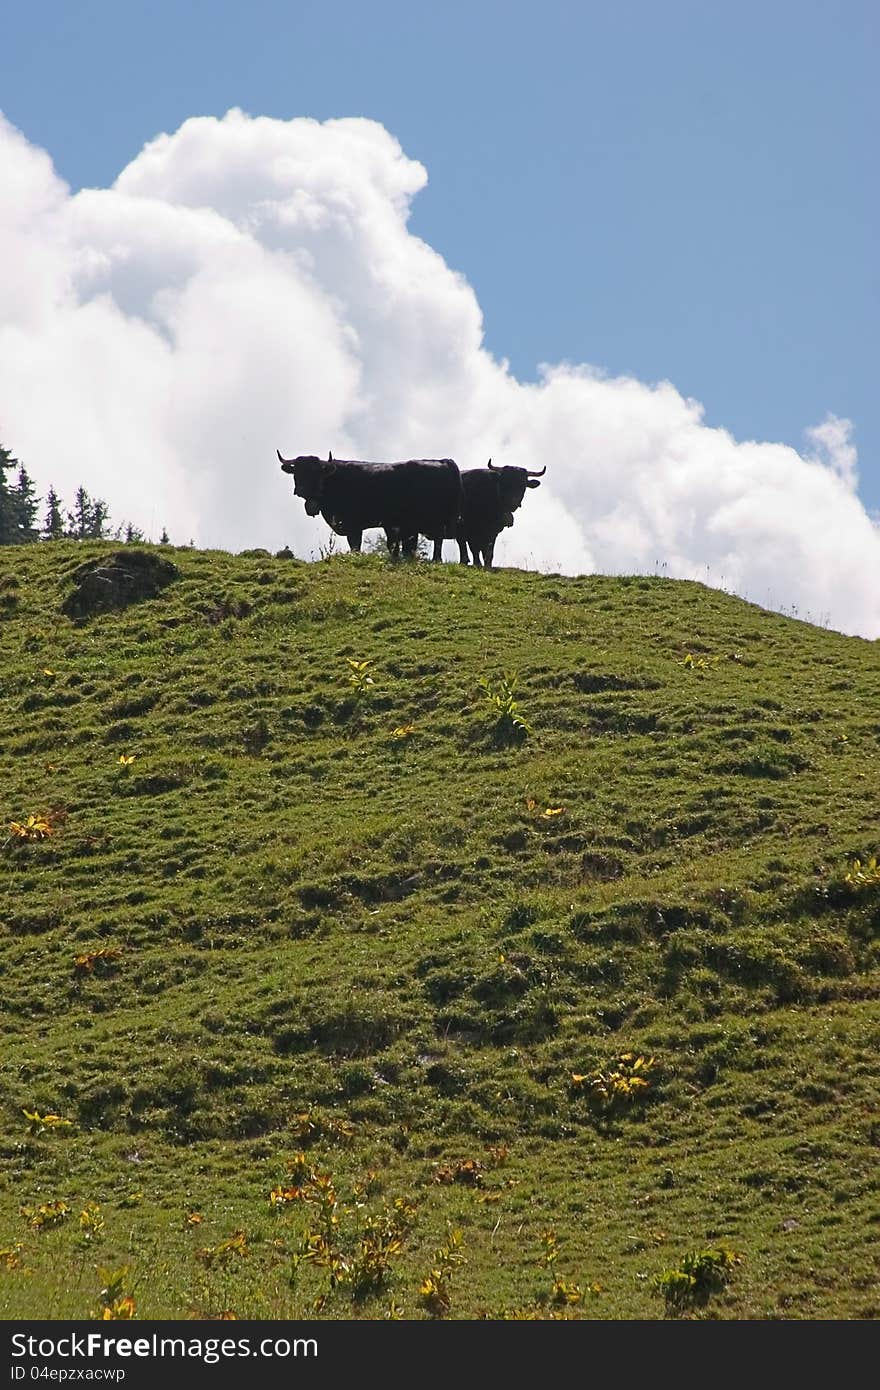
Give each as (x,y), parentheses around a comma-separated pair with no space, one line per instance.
(701,1274)
(500,696)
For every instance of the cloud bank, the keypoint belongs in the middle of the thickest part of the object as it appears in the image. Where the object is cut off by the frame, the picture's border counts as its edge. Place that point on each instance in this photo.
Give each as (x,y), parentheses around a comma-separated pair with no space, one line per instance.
(249,283)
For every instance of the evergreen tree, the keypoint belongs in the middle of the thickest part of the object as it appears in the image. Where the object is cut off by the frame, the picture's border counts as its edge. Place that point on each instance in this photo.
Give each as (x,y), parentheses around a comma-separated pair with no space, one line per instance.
(164,539)
(89,519)
(18,504)
(53,522)
(27,505)
(78,520)
(8,509)
(100,518)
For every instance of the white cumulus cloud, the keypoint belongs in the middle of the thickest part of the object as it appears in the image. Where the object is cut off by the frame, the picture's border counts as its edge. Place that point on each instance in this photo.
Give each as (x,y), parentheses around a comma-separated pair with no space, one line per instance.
(249,283)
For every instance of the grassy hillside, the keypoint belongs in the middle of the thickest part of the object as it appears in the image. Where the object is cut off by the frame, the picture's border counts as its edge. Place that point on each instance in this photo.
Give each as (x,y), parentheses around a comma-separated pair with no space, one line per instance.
(335,991)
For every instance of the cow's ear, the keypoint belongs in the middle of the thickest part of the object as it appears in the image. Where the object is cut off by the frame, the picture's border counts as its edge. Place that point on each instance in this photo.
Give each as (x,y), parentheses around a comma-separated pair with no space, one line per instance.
(533,482)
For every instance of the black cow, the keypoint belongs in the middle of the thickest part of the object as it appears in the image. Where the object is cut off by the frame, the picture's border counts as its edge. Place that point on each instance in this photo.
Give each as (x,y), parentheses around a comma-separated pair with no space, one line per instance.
(418,496)
(491,496)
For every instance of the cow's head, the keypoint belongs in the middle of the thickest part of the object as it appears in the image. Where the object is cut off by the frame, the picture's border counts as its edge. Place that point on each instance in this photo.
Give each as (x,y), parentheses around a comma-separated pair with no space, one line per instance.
(309,475)
(512,484)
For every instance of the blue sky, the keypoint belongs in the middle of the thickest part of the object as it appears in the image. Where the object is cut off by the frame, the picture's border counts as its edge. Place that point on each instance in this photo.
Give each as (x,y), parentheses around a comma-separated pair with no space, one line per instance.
(683,191)
(680,192)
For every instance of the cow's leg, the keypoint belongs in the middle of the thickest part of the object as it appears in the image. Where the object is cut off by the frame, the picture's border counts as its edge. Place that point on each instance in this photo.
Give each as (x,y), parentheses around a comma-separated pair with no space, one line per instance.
(354,539)
(411,545)
(462,548)
(392,541)
(488,554)
(476,552)
(437,557)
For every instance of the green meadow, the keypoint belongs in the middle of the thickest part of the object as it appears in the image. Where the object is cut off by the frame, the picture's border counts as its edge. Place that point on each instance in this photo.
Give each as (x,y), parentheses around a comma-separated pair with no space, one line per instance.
(407,941)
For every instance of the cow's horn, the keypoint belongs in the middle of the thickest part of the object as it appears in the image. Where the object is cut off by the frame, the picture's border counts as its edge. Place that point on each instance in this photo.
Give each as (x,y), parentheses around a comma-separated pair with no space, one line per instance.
(330,457)
(282,458)
(536,472)
(493,466)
